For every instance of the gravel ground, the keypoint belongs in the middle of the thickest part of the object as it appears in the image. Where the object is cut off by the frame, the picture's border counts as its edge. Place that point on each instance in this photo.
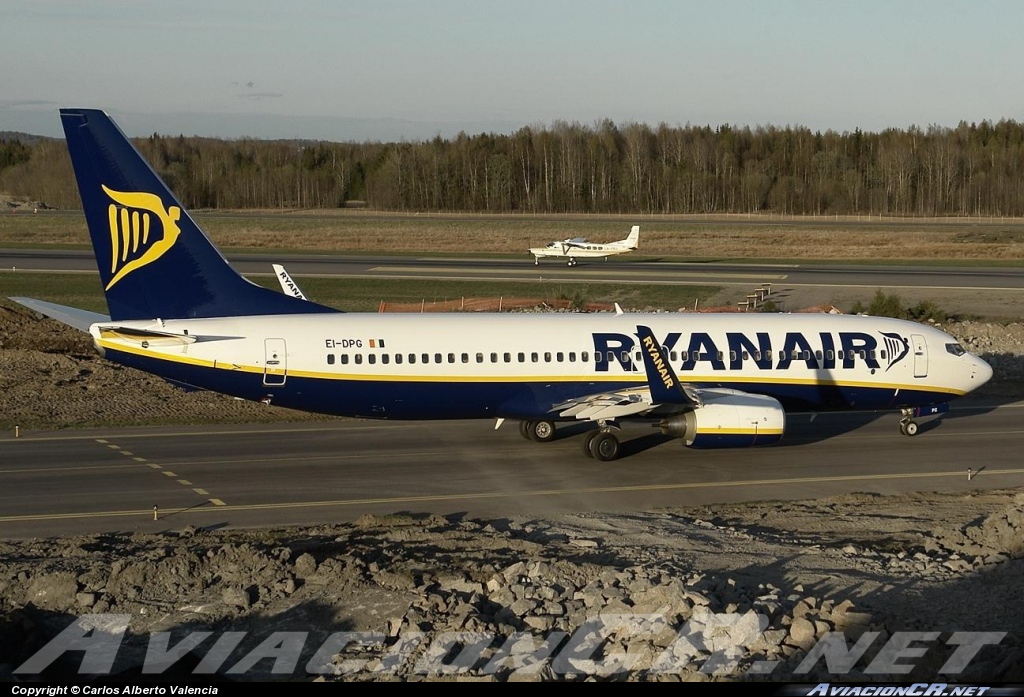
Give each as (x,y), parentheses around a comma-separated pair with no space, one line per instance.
(744,592)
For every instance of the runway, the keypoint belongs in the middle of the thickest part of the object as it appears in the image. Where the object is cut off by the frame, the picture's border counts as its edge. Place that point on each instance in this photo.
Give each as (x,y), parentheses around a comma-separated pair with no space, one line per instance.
(107,480)
(617,271)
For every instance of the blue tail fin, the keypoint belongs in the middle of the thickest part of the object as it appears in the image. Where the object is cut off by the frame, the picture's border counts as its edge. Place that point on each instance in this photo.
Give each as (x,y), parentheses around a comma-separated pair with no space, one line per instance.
(154,260)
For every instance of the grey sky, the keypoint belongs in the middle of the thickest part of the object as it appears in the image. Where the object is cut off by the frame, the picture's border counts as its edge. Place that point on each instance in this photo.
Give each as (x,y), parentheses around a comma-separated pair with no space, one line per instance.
(394,69)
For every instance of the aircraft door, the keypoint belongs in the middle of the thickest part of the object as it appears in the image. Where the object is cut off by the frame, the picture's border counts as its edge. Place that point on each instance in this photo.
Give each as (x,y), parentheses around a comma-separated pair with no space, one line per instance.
(275,370)
(920,347)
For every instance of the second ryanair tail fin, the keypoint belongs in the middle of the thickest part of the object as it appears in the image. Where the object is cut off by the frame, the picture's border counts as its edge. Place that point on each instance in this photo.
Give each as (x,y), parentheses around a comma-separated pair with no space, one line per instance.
(154,260)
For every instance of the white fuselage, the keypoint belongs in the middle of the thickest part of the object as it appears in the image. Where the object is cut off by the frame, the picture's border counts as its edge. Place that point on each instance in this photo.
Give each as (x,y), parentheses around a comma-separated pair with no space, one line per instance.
(424,366)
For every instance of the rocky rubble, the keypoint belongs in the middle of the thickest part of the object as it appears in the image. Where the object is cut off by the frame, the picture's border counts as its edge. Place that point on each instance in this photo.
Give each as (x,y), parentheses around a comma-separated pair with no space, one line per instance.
(430,598)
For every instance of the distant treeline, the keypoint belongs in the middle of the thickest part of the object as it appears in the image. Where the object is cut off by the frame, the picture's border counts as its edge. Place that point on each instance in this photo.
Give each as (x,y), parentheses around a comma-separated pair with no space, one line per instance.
(973,169)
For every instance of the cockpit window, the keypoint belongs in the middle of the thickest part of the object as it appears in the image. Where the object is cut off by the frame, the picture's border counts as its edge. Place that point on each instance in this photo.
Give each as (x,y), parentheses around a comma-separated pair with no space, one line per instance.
(955,349)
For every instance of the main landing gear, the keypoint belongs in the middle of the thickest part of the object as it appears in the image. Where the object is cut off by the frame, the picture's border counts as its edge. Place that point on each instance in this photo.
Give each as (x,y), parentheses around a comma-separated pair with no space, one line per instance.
(602,445)
(908,426)
(572,261)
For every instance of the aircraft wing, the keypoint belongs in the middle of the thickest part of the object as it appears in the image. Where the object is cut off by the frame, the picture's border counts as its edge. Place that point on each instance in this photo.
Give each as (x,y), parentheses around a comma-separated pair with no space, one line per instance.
(663,393)
(71,316)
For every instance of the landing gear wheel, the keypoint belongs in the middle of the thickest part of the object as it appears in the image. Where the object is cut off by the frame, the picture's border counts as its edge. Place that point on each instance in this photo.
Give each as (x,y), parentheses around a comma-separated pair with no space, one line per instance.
(604,447)
(542,431)
(910,428)
(536,262)
(524,429)
(587,440)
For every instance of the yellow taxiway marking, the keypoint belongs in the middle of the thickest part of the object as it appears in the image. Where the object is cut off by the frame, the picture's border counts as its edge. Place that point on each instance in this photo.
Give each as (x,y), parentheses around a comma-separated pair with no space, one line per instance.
(127,453)
(169,473)
(184,482)
(331,426)
(201,492)
(485,495)
(139,459)
(155,466)
(113,447)
(100,440)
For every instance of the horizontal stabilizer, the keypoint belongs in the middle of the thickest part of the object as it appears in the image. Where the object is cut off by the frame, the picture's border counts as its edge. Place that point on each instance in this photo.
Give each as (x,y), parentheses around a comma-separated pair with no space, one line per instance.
(71,316)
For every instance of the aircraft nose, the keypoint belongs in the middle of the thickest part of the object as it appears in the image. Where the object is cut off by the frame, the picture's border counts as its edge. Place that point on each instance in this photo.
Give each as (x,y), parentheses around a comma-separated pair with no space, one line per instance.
(982,371)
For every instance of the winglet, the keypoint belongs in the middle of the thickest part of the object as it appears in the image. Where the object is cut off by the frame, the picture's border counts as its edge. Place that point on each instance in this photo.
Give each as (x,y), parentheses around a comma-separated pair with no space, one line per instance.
(664,385)
(288,286)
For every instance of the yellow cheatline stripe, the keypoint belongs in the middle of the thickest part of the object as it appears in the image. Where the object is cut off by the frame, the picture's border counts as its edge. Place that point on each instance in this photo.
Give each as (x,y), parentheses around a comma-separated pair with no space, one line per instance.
(505,494)
(639,378)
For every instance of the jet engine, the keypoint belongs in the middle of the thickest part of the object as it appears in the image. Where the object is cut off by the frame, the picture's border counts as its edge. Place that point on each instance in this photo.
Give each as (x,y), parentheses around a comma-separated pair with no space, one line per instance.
(728,419)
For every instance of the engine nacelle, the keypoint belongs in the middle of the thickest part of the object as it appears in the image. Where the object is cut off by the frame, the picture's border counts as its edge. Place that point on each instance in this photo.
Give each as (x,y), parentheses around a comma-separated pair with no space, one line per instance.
(728,419)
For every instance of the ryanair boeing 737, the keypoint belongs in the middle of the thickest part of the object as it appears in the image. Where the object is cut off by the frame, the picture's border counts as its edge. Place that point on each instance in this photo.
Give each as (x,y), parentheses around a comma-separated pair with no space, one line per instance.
(178,310)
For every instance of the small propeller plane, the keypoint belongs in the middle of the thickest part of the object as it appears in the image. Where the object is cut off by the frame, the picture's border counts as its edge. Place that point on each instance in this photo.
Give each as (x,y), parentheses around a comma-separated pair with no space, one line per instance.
(580,247)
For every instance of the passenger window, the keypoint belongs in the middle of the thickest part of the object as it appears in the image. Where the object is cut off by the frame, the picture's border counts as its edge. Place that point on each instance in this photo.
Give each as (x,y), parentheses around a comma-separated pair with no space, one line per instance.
(465,358)
(522,357)
(585,357)
(817,354)
(412,357)
(547,356)
(398,358)
(830,354)
(330,359)
(437,358)
(507,357)
(625,357)
(371,358)
(560,357)
(479,358)
(533,357)
(451,357)
(494,358)
(385,358)
(672,356)
(359,358)
(572,356)
(344,359)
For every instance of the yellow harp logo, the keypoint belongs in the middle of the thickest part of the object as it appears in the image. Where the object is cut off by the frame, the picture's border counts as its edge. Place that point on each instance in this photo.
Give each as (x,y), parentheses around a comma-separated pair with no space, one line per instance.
(130,229)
